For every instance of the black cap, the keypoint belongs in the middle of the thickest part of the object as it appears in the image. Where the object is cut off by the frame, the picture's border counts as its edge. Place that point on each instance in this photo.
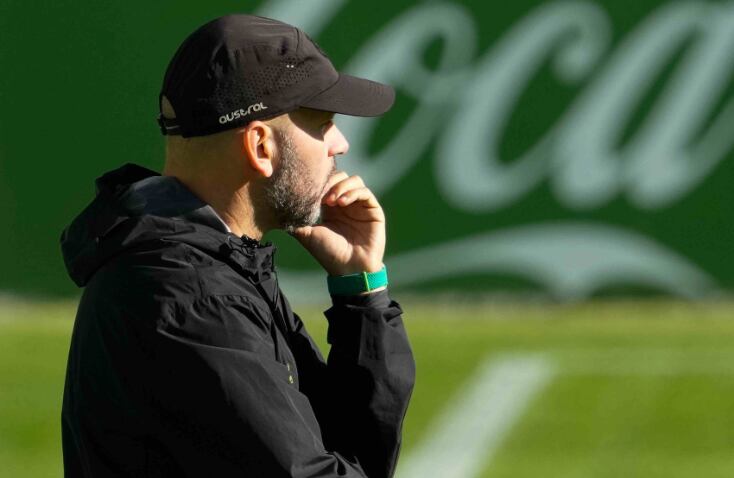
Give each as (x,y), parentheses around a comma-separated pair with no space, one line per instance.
(239,68)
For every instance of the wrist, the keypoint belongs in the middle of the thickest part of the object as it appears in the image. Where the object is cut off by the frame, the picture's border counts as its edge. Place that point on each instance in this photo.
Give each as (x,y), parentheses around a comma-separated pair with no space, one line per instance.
(378,299)
(359,283)
(352,270)
(373,291)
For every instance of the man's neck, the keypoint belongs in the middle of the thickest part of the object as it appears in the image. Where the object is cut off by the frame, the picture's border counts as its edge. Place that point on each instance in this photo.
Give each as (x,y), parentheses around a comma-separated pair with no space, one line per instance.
(239,220)
(234,206)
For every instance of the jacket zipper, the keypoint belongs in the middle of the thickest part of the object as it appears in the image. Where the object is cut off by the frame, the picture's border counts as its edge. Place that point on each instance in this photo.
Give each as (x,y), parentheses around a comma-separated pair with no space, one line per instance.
(278,320)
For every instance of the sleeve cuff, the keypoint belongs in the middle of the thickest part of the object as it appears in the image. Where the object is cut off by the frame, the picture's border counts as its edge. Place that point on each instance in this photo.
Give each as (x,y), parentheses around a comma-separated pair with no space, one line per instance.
(375,299)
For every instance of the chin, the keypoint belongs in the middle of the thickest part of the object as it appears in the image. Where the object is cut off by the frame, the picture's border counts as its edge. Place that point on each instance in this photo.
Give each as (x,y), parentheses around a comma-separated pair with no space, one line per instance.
(312,220)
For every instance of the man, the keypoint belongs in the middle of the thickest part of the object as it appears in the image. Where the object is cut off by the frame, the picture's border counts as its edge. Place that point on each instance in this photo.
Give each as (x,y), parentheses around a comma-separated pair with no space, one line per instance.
(186,359)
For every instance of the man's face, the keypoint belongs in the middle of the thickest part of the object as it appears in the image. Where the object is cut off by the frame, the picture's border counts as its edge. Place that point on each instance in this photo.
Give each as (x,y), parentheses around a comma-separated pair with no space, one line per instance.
(304,163)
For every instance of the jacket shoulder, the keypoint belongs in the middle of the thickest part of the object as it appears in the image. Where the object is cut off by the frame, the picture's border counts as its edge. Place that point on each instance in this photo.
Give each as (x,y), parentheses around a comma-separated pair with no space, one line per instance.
(228,321)
(175,272)
(179,290)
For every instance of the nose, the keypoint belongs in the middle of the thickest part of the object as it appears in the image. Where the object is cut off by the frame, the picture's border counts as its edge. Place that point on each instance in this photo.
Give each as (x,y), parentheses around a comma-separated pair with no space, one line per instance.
(338,144)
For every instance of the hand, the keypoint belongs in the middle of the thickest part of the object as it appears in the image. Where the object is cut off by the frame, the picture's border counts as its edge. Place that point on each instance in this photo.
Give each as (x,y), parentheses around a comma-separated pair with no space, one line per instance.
(351,235)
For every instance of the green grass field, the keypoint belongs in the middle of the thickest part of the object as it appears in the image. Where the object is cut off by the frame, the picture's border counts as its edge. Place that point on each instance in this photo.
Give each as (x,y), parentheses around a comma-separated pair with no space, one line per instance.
(601,389)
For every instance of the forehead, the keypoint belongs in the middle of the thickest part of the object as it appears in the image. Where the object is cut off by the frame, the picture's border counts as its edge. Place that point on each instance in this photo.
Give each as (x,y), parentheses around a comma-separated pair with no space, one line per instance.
(309,121)
(310,115)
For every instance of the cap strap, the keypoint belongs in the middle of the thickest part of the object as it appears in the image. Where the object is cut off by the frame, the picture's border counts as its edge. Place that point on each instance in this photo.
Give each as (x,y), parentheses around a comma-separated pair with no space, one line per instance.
(169,126)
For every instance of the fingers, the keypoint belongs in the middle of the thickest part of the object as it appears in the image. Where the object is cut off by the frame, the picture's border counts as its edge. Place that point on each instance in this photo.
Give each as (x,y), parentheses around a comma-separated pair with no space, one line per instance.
(341,175)
(341,187)
(359,194)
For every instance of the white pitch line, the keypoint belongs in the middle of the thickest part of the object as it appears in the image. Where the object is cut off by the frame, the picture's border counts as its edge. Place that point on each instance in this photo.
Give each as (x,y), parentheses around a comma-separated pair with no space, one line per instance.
(667,364)
(462,441)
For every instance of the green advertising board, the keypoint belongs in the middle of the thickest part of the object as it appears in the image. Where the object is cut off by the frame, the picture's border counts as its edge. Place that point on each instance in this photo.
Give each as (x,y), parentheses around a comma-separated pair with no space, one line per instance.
(566,148)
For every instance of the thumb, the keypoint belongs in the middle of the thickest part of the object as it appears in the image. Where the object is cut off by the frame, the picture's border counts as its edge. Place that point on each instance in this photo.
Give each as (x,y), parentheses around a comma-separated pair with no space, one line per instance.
(301,233)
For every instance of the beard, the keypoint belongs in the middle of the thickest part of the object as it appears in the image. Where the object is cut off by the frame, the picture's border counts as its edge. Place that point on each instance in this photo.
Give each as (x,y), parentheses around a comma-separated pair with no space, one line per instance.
(290,192)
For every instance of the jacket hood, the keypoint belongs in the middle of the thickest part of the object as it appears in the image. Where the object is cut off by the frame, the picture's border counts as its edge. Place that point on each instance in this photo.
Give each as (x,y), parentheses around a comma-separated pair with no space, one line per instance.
(135,205)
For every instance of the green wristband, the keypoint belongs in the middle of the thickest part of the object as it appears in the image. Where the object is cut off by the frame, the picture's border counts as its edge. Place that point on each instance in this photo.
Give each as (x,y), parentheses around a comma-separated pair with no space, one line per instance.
(352,284)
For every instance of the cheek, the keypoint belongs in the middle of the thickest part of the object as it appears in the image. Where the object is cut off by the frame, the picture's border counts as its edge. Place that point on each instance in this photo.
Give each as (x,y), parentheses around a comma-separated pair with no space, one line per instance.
(323,170)
(322,180)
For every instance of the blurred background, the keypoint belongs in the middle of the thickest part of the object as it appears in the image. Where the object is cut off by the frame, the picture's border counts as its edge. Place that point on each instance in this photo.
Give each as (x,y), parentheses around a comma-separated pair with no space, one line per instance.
(555,179)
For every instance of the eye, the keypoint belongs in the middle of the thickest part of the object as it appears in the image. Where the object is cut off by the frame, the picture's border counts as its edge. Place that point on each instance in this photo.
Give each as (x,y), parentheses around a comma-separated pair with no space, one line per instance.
(326,125)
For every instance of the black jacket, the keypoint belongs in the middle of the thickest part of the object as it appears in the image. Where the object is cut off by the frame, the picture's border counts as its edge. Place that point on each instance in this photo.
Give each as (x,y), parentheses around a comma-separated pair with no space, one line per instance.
(187,360)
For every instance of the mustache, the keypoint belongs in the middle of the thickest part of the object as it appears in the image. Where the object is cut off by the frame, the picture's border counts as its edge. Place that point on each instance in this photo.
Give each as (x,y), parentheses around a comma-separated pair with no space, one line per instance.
(332,172)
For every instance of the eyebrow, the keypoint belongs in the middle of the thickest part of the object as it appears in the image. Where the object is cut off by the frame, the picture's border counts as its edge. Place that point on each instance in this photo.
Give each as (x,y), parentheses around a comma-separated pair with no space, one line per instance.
(319,117)
(324,119)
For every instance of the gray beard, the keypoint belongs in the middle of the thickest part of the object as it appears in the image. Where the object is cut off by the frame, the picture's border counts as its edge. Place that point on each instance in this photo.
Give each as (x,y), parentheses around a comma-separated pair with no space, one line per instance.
(293,198)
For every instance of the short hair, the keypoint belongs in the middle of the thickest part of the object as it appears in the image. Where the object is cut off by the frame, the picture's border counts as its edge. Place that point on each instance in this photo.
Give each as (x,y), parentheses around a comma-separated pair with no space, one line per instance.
(179,147)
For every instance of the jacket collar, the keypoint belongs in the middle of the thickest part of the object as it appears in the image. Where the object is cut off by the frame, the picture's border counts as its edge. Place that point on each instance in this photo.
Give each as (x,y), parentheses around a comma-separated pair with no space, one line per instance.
(166,195)
(134,205)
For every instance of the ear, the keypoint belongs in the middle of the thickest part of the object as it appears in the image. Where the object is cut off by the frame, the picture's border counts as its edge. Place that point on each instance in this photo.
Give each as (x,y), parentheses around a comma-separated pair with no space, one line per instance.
(258,147)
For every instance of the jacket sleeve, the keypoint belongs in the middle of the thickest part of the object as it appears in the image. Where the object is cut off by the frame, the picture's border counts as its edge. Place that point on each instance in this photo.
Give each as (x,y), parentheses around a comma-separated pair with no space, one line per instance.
(360,395)
(228,407)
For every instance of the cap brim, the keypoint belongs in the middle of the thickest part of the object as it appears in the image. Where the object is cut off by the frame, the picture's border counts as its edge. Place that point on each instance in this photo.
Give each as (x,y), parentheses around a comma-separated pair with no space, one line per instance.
(354,96)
